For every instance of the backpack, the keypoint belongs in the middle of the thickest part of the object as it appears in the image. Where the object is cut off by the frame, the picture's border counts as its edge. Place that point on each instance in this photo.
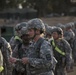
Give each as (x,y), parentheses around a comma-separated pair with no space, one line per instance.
(38,45)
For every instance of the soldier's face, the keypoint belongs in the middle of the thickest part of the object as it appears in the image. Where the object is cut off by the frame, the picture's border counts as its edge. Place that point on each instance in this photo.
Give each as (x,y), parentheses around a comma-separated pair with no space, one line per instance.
(55,35)
(25,39)
(31,33)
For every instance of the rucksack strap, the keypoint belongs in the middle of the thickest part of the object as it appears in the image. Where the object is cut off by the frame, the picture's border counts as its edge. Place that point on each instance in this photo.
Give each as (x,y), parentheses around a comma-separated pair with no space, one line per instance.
(18,38)
(19,50)
(57,49)
(38,44)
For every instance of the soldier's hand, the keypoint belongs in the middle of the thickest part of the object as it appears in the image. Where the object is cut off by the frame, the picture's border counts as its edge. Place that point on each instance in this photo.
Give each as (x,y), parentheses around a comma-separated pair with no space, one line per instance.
(12,59)
(24,60)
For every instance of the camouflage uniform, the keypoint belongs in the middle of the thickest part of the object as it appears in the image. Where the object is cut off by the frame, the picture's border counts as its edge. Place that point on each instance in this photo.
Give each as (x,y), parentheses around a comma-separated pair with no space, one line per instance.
(74,28)
(48,33)
(19,52)
(6,52)
(74,44)
(69,35)
(65,47)
(74,51)
(40,61)
(39,54)
(64,61)
(15,40)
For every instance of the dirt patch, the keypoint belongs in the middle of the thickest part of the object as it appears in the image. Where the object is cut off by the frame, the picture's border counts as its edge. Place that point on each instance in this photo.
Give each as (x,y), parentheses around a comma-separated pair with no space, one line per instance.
(73,73)
(55,20)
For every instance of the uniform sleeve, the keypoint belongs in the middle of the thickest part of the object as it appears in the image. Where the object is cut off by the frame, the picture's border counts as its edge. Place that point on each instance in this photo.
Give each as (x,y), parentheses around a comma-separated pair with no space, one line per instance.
(46,57)
(68,54)
(15,52)
(67,36)
(12,42)
(6,47)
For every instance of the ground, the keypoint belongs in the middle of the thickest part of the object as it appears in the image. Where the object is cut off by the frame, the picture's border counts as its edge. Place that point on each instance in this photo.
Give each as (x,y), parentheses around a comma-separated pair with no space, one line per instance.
(54,20)
(73,73)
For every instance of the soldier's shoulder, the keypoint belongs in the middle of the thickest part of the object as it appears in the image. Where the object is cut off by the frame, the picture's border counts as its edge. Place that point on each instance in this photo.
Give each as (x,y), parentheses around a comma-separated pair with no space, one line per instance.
(65,41)
(45,42)
(2,39)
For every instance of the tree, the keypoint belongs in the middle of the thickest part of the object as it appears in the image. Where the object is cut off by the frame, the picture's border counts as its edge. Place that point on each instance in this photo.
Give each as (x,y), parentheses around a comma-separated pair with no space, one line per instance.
(60,6)
(40,5)
(2,4)
(15,3)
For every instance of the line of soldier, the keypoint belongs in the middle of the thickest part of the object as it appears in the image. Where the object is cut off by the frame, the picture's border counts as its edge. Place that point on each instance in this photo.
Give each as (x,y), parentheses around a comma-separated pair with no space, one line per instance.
(39,49)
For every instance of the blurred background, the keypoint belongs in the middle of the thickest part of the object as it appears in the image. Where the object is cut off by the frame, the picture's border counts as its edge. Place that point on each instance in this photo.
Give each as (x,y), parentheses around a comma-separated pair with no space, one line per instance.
(50,11)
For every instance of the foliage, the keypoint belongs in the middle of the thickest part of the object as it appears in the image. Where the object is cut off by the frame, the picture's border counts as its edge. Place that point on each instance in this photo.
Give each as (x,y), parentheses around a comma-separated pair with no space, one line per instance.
(42,6)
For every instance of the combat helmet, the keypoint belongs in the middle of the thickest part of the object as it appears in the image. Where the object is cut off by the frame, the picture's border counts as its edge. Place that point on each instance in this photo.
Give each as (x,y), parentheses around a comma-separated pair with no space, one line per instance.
(36,24)
(49,30)
(20,25)
(58,30)
(24,31)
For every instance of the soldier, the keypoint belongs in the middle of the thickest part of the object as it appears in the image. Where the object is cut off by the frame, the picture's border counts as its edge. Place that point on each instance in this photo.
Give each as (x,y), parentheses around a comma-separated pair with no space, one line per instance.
(74,45)
(6,52)
(48,33)
(61,26)
(69,35)
(19,52)
(74,28)
(15,40)
(39,56)
(62,52)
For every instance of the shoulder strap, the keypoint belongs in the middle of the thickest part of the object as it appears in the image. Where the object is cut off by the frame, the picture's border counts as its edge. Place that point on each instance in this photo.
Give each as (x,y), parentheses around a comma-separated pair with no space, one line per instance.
(38,44)
(19,51)
(57,49)
(17,38)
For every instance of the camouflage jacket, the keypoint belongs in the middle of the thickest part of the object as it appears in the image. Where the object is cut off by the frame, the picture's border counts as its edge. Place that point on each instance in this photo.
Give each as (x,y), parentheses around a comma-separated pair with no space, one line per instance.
(40,59)
(14,41)
(6,52)
(64,46)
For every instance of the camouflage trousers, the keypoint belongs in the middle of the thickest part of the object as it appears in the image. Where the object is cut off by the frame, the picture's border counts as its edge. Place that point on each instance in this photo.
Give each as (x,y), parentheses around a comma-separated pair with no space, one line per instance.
(7,70)
(14,72)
